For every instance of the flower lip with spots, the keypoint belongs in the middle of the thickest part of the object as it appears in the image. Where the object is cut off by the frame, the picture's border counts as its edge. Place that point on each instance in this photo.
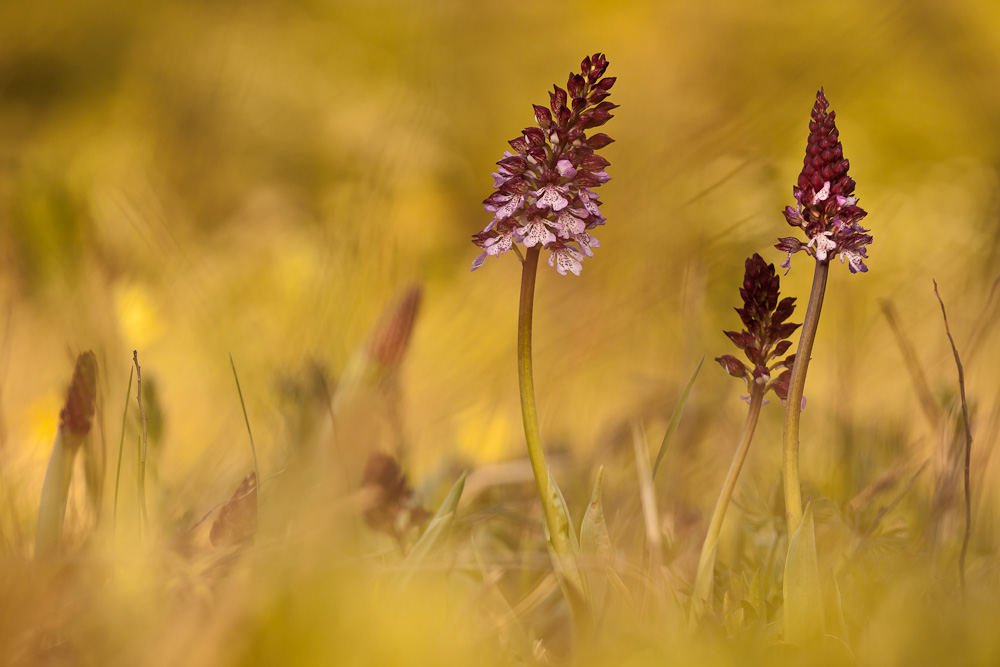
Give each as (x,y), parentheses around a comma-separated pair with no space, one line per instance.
(544,188)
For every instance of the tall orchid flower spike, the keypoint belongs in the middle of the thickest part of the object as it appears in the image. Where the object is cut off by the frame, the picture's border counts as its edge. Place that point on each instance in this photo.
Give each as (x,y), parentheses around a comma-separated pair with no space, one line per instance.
(544,199)
(764,342)
(826,208)
(544,190)
(827,212)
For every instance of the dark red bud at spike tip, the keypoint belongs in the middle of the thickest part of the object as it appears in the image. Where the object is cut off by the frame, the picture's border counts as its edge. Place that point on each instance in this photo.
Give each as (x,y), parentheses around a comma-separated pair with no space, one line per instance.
(600,65)
(827,209)
(77,414)
(824,160)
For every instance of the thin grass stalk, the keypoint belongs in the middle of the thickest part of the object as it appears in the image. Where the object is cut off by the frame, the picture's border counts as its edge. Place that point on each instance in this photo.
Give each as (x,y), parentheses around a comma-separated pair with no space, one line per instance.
(121,448)
(796,389)
(142,444)
(246,418)
(968,445)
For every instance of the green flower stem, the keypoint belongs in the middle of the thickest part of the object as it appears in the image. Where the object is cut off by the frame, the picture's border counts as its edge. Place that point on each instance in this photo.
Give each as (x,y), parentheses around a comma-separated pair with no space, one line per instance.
(526,381)
(704,578)
(796,388)
(559,530)
(55,494)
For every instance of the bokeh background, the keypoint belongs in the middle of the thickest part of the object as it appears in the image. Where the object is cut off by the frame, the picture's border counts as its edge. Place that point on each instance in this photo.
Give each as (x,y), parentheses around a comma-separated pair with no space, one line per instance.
(263,179)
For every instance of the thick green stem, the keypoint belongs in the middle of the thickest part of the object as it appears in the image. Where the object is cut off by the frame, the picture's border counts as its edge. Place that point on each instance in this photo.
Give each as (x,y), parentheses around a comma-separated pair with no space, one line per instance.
(560,532)
(704,579)
(796,388)
(55,494)
(525,379)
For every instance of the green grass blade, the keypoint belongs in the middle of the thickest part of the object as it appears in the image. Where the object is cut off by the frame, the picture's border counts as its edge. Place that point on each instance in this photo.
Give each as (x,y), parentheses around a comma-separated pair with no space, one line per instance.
(675,418)
(439,527)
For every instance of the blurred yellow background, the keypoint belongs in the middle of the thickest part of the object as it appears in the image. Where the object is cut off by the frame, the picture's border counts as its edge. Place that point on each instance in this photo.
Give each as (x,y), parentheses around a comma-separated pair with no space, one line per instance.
(263,179)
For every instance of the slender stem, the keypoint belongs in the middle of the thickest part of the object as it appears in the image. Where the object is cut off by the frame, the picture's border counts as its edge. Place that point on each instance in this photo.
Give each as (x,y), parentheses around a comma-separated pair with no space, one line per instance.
(968,444)
(796,388)
(143,442)
(706,563)
(253,449)
(121,448)
(526,381)
(141,482)
(560,532)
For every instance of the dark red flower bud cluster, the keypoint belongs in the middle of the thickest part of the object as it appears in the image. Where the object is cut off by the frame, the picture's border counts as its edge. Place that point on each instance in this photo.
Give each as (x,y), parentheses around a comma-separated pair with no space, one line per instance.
(544,188)
(824,161)
(827,209)
(77,413)
(765,338)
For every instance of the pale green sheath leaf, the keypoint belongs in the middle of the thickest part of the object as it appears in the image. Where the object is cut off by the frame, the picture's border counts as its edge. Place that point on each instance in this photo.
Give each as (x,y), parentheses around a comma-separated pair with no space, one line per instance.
(802,590)
(595,543)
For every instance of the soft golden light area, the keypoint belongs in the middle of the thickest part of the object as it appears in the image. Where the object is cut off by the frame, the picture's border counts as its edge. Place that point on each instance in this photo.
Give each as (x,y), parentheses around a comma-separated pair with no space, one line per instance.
(265,182)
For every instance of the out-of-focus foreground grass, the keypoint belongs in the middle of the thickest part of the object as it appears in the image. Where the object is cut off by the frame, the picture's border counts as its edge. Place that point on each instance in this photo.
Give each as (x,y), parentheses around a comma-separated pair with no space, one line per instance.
(193,180)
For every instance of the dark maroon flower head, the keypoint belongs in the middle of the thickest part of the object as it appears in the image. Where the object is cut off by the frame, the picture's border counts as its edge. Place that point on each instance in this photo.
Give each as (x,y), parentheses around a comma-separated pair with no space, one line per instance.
(765,338)
(827,209)
(544,189)
(78,411)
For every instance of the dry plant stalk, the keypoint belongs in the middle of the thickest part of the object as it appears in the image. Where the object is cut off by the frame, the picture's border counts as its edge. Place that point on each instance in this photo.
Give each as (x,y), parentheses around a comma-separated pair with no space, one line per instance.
(968,444)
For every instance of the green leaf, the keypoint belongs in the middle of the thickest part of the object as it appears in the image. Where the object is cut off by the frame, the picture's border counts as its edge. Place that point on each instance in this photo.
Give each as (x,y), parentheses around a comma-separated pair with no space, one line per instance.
(564,548)
(802,590)
(439,527)
(675,418)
